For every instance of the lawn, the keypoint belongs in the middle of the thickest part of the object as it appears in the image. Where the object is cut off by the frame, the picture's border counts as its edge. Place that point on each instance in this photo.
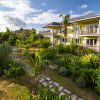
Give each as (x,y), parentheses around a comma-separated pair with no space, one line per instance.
(17,89)
(86,94)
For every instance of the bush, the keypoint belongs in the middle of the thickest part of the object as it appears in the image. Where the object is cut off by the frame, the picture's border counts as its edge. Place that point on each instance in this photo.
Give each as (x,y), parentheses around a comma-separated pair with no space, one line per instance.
(60,48)
(62,71)
(43,43)
(90,61)
(16,70)
(81,82)
(67,49)
(47,94)
(5,51)
(48,54)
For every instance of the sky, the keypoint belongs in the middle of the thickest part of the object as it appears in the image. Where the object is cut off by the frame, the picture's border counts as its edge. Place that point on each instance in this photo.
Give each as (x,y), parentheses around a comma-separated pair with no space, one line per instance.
(15,14)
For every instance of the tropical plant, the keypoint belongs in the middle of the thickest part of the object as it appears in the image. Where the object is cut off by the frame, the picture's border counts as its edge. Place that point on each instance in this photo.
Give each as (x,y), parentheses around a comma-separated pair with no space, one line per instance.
(65,23)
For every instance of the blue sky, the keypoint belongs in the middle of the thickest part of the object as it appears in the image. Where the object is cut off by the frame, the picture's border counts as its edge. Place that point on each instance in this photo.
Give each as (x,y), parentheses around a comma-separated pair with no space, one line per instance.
(15,14)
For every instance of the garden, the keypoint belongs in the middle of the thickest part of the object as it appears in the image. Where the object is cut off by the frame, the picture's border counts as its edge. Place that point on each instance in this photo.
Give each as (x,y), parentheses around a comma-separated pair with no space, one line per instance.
(76,66)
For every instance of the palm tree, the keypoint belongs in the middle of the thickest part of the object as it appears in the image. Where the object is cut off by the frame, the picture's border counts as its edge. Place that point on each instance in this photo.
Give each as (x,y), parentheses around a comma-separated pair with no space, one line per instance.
(65,23)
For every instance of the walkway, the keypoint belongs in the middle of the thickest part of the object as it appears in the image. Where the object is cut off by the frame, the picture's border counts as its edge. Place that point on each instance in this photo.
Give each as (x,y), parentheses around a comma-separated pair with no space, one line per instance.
(44,80)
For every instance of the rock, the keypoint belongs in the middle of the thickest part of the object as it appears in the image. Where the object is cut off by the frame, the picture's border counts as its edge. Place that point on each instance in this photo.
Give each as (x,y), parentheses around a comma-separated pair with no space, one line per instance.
(48,79)
(67,91)
(55,83)
(44,84)
(61,94)
(73,97)
(50,86)
(41,80)
(50,82)
(51,67)
(60,88)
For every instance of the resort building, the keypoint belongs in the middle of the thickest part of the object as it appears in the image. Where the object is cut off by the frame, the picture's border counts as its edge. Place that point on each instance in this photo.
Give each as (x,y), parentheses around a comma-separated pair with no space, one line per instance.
(83,30)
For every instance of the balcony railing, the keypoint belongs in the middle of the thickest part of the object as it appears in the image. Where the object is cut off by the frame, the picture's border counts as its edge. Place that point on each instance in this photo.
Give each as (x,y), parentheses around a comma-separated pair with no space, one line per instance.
(91,32)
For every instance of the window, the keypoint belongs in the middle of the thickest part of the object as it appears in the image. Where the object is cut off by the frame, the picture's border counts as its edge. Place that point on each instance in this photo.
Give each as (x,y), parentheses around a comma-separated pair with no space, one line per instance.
(62,40)
(76,29)
(91,42)
(77,40)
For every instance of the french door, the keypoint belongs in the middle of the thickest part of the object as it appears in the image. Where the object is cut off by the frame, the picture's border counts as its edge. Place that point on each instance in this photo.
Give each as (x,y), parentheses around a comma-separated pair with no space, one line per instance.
(92,42)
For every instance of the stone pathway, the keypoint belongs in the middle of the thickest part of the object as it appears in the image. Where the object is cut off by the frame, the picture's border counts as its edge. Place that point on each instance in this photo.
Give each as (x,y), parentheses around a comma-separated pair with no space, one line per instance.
(44,80)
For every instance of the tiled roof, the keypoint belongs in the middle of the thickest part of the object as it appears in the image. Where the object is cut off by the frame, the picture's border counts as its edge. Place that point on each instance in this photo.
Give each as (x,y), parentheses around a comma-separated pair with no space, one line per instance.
(54,24)
(83,17)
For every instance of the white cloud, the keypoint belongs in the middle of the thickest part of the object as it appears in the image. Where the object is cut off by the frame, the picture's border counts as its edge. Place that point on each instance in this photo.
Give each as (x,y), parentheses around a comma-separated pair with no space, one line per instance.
(16,15)
(71,11)
(87,12)
(43,4)
(45,17)
(84,6)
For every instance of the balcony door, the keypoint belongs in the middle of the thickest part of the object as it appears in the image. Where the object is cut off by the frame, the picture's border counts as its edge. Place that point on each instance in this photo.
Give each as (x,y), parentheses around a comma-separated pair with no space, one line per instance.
(92,42)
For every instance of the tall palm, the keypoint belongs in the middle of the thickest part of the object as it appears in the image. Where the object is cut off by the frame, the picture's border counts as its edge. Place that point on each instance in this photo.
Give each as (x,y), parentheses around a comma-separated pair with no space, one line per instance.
(65,23)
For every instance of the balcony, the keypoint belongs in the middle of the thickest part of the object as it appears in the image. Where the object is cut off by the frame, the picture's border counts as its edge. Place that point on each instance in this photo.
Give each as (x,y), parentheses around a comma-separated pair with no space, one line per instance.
(90,32)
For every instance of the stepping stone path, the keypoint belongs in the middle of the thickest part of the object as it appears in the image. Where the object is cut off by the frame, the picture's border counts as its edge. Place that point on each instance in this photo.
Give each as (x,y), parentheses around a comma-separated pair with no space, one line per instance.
(43,80)
(46,80)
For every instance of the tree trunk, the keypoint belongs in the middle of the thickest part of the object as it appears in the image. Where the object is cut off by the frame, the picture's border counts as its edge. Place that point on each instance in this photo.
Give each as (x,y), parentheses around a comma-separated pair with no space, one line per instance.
(65,34)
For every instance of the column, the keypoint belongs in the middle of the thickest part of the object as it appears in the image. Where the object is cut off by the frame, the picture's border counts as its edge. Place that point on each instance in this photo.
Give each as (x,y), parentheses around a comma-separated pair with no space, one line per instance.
(98,48)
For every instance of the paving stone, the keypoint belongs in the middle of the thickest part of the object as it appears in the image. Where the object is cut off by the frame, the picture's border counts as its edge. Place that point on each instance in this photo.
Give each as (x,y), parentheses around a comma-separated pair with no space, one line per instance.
(52,90)
(41,80)
(50,86)
(48,79)
(62,93)
(44,76)
(44,84)
(80,99)
(50,82)
(67,91)
(51,67)
(66,98)
(73,97)
(60,88)
(55,83)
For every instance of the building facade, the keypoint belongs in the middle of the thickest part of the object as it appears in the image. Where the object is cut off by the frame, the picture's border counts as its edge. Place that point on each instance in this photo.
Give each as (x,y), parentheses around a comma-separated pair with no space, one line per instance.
(83,30)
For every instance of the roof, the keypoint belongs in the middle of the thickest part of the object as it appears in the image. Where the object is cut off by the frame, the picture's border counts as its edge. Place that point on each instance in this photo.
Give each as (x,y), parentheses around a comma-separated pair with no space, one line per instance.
(88,16)
(71,20)
(54,24)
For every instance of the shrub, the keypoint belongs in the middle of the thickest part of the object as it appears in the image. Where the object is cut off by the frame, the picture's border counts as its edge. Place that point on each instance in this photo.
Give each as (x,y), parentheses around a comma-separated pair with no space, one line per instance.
(5,51)
(67,49)
(97,80)
(47,94)
(62,71)
(90,61)
(60,48)
(81,82)
(43,43)
(48,54)
(16,70)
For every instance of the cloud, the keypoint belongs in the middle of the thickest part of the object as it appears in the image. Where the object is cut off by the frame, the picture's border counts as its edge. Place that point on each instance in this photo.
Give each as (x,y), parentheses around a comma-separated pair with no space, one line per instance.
(15,21)
(18,13)
(45,17)
(84,6)
(43,4)
(87,12)
(71,11)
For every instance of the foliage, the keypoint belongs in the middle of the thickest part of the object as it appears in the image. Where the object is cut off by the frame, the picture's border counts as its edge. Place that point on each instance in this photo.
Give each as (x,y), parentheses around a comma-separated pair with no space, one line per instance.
(60,48)
(15,70)
(90,61)
(47,94)
(5,51)
(48,54)
(62,71)
(43,43)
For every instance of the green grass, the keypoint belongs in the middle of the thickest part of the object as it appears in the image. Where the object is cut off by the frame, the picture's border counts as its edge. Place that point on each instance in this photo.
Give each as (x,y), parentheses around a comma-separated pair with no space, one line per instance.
(17,89)
(86,94)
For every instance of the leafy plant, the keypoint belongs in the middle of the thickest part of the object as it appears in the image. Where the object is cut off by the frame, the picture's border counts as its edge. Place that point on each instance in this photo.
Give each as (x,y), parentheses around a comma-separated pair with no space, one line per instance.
(62,71)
